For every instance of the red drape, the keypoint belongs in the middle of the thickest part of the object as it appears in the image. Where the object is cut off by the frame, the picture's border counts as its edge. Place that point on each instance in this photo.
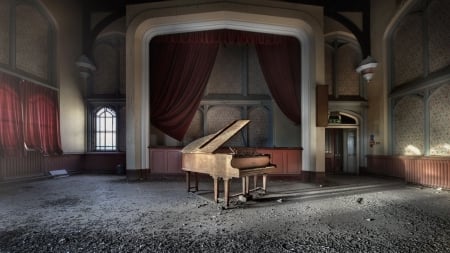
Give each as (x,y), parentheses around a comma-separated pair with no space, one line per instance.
(11,137)
(41,119)
(280,64)
(179,73)
(180,65)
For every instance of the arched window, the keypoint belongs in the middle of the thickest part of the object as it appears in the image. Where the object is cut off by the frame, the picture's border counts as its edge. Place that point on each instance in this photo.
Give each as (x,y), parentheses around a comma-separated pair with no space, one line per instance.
(105,129)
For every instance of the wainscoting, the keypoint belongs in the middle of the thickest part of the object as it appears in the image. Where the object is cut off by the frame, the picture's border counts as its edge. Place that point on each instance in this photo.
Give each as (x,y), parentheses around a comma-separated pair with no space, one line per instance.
(427,171)
(164,160)
(33,164)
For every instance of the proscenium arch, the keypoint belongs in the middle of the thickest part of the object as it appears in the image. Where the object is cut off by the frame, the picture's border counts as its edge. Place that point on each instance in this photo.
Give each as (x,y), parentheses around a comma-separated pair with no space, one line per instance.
(143,29)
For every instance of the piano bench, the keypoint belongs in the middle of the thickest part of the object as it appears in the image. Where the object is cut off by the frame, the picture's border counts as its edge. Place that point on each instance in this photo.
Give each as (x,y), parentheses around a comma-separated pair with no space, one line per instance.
(246,184)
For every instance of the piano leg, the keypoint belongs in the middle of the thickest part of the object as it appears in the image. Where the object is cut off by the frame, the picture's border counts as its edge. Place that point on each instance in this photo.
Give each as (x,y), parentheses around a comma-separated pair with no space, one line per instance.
(196,181)
(255,178)
(216,189)
(188,181)
(226,189)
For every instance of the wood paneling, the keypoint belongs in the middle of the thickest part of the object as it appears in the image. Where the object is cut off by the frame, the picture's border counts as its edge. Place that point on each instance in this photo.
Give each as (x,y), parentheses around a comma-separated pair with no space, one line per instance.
(33,164)
(427,171)
(103,162)
(385,166)
(165,161)
(168,160)
(30,165)
(174,162)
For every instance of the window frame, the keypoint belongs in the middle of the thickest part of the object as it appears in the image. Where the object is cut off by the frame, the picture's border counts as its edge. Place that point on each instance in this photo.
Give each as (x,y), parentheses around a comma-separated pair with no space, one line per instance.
(95,105)
(108,129)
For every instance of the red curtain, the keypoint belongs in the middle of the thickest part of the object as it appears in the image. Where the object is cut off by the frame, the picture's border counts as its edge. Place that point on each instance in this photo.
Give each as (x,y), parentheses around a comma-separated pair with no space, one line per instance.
(224,36)
(11,137)
(179,72)
(180,65)
(41,119)
(280,64)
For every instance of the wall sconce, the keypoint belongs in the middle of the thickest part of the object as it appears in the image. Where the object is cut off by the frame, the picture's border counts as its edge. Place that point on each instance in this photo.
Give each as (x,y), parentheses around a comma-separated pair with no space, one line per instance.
(367,68)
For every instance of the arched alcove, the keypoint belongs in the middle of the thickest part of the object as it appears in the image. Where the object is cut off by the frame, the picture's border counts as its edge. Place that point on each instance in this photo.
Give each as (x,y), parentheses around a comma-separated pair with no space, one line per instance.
(144,27)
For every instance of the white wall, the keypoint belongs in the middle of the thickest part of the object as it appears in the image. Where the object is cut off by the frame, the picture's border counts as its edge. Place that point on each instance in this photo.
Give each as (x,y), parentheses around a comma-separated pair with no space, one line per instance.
(66,14)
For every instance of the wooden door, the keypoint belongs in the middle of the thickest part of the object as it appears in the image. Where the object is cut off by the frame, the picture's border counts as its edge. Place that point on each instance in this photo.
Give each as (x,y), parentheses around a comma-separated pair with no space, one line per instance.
(350,155)
(333,150)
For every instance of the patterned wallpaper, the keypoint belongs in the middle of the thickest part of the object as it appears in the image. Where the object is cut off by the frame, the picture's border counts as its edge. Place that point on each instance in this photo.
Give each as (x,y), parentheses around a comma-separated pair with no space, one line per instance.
(220,116)
(226,76)
(32,41)
(439,34)
(195,130)
(439,121)
(409,45)
(408,48)
(341,73)
(4,32)
(347,79)
(258,131)
(409,126)
(107,77)
(409,63)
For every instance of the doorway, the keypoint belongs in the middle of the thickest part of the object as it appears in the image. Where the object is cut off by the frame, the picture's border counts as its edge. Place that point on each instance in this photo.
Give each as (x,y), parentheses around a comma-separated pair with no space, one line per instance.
(341,151)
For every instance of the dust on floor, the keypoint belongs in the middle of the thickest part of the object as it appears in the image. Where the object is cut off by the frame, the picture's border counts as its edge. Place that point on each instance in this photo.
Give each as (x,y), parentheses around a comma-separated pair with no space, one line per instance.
(87,213)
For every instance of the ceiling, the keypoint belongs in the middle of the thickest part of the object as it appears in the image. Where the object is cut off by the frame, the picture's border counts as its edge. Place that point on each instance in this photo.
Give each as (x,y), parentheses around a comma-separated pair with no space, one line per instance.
(329,5)
(332,9)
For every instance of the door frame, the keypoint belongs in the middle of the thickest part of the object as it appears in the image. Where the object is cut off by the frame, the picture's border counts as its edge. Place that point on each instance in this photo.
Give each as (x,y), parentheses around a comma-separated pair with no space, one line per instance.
(358,137)
(344,147)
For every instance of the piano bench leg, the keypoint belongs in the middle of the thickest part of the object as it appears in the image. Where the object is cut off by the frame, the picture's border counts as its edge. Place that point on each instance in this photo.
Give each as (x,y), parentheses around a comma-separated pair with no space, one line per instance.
(264,182)
(246,186)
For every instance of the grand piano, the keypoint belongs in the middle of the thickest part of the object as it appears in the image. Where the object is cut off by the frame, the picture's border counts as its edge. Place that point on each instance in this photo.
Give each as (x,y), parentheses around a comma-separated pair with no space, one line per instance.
(202,156)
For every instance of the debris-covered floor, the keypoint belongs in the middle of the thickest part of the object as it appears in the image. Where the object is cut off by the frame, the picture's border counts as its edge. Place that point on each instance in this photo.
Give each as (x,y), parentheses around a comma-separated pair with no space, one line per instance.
(86,213)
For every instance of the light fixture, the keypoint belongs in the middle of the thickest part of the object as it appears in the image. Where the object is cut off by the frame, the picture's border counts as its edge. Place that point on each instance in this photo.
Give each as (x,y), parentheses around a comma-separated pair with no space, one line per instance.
(85,66)
(367,68)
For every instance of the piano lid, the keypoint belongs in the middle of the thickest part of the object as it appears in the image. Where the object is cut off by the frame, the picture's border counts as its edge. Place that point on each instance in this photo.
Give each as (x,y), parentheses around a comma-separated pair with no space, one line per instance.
(210,143)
